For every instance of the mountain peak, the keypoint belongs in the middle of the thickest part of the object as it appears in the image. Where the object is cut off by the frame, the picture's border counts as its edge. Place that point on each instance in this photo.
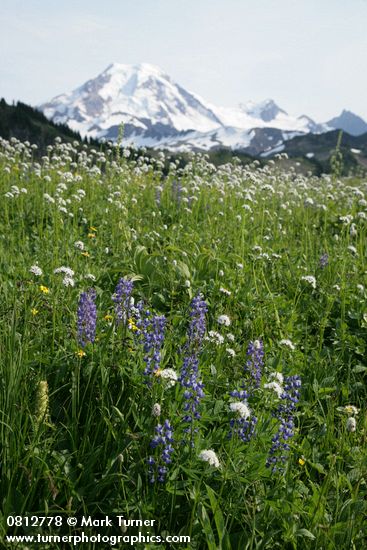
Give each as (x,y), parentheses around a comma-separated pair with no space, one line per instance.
(349,122)
(139,67)
(267,109)
(141,96)
(155,111)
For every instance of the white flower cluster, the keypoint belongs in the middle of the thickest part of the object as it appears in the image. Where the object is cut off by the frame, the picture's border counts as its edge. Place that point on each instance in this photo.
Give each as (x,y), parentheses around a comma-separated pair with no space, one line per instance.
(169,376)
(79,245)
(36,270)
(68,279)
(241,408)
(287,343)
(215,337)
(310,279)
(224,320)
(209,456)
(277,384)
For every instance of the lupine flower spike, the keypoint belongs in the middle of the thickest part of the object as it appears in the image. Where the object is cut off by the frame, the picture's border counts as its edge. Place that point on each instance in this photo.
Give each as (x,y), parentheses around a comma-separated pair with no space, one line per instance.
(190,377)
(285,414)
(87,317)
(162,440)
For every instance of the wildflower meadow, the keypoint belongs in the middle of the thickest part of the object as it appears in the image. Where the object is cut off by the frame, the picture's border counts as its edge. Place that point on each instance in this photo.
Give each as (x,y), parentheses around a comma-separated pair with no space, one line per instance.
(184,344)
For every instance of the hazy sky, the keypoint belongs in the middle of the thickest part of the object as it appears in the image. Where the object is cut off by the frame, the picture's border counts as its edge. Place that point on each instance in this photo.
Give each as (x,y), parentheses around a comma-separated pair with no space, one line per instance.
(308,55)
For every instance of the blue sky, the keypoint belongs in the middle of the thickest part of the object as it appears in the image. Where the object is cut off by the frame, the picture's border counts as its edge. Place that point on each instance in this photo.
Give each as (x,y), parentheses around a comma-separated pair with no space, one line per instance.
(308,55)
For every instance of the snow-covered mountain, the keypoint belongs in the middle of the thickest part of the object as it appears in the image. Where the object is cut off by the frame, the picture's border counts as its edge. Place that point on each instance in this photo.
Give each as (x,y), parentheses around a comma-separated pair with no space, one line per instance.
(158,112)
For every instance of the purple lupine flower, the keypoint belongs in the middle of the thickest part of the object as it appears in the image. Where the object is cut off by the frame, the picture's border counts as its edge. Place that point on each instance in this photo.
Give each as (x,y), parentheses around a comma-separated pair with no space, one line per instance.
(138,314)
(242,427)
(285,415)
(163,439)
(151,331)
(190,376)
(87,317)
(158,194)
(176,191)
(255,352)
(324,260)
(122,299)
(195,334)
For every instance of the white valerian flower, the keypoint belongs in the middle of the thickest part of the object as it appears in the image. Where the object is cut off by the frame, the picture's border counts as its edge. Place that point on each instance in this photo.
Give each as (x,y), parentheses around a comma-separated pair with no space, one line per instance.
(36,270)
(209,456)
(360,288)
(169,375)
(231,352)
(90,277)
(353,230)
(79,245)
(215,337)
(224,320)
(230,337)
(48,198)
(68,281)
(225,291)
(241,409)
(351,424)
(187,284)
(221,273)
(352,249)
(346,219)
(66,270)
(275,386)
(310,279)
(156,409)
(288,343)
(278,376)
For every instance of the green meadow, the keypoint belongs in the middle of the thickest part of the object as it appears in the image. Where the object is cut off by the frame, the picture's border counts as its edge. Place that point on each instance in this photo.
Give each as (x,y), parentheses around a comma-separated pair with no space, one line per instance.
(184,345)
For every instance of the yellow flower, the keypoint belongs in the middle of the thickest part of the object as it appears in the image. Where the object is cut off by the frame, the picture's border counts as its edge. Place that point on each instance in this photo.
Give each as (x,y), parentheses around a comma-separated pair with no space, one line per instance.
(92,228)
(34,311)
(80,353)
(86,254)
(91,235)
(44,289)
(301,461)
(157,372)
(132,325)
(108,317)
